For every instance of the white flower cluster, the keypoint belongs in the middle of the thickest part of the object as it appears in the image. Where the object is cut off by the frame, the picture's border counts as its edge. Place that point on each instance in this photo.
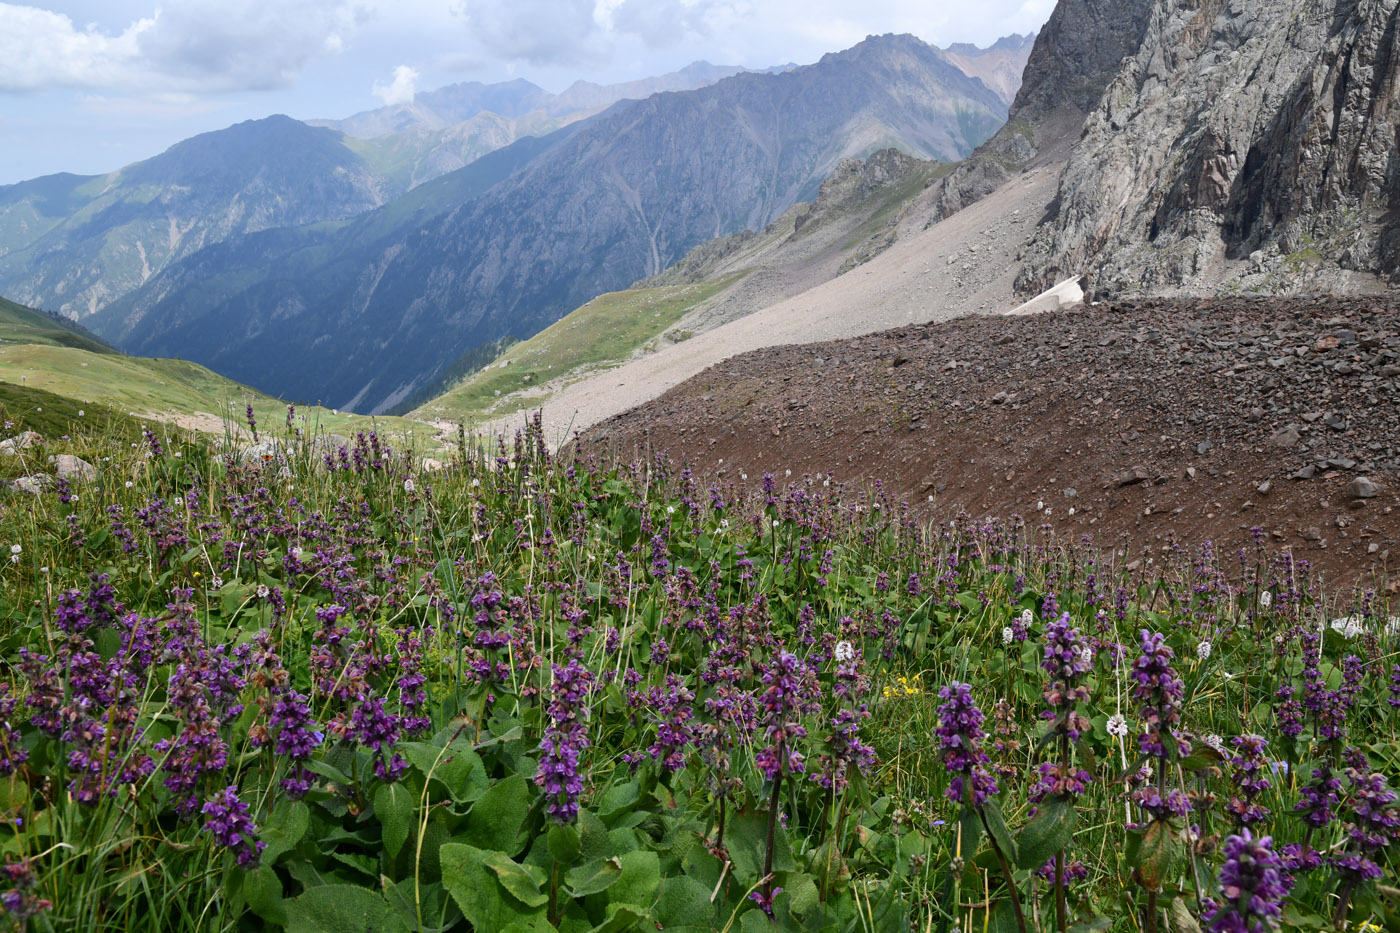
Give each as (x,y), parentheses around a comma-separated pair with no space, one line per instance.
(1117,726)
(1007,634)
(845,651)
(1203,650)
(1266,599)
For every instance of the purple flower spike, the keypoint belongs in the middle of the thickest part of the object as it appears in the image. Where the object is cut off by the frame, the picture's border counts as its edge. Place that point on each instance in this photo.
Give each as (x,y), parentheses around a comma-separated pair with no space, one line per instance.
(960,733)
(1253,885)
(1159,692)
(564,741)
(232,826)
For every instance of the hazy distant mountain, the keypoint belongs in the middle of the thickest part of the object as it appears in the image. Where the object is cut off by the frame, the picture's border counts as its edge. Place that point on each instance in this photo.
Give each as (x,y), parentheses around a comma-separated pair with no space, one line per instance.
(623,196)
(443,130)
(71,243)
(999,66)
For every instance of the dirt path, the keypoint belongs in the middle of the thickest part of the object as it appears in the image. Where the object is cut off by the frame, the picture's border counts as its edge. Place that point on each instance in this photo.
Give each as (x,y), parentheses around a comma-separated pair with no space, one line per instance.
(965,264)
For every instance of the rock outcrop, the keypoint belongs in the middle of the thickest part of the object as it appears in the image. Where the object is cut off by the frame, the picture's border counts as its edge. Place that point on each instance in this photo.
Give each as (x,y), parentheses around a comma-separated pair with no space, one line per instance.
(1074,58)
(1246,145)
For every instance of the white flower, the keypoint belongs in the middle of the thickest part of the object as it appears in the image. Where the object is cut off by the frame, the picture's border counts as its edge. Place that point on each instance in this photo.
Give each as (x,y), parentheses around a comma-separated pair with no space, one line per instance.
(14,558)
(1203,650)
(724,523)
(476,483)
(1117,725)
(1086,654)
(1071,510)
(670,510)
(263,591)
(1008,634)
(1040,505)
(787,473)
(1214,741)
(81,412)
(178,453)
(295,552)
(1027,617)
(129,484)
(16,549)
(826,482)
(476,538)
(775,523)
(845,651)
(743,476)
(408,485)
(43,570)
(1266,599)
(217,583)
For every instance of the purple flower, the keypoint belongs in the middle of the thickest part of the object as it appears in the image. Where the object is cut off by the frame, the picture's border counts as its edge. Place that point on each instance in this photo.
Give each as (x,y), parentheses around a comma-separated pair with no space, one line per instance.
(564,741)
(1250,774)
(790,692)
(19,902)
(297,737)
(1067,659)
(378,730)
(1252,886)
(960,734)
(1318,797)
(1158,691)
(1372,824)
(232,826)
(1394,698)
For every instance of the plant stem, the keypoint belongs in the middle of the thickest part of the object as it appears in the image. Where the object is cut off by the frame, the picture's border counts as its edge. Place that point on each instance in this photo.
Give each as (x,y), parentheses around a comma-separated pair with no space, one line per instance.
(554,895)
(773,826)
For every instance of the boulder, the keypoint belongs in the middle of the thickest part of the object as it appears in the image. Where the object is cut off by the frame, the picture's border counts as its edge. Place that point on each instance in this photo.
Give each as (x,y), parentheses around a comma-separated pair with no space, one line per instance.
(72,468)
(22,441)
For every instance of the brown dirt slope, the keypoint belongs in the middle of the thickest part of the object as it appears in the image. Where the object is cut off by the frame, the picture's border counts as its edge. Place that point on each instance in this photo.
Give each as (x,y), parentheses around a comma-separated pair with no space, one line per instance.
(1133,422)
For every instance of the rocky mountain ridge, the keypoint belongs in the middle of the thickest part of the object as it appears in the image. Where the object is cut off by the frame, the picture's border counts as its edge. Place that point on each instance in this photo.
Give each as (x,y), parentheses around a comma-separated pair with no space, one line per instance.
(1246,145)
(623,197)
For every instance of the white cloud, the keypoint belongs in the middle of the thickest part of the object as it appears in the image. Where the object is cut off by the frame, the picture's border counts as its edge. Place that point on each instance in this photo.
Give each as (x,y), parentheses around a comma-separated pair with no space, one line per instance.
(193,45)
(400,90)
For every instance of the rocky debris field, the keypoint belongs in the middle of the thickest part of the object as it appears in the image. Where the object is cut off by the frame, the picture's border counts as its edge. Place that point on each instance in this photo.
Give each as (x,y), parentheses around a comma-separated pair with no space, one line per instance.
(1141,423)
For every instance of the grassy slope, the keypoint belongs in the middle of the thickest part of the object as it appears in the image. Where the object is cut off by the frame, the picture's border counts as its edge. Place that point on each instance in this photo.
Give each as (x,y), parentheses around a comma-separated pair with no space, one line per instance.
(602,333)
(610,329)
(40,353)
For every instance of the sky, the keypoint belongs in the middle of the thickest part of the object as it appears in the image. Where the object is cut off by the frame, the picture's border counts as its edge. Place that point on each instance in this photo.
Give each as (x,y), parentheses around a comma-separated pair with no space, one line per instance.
(92,85)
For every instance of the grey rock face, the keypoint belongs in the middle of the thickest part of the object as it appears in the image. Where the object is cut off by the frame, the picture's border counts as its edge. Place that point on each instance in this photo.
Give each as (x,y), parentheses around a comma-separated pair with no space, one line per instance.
(34,484)
(1075,56)
(1246,141)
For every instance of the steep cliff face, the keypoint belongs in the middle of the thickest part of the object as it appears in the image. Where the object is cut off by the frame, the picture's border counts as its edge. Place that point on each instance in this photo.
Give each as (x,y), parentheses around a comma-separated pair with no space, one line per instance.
(1074,58)
(1248,144)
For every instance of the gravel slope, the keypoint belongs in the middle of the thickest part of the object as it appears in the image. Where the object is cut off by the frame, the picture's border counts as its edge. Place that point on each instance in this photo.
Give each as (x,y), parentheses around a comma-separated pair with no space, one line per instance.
(1138,423)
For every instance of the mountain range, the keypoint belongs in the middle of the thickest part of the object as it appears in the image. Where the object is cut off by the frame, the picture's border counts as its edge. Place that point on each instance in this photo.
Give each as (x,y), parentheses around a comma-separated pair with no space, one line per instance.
(396,296)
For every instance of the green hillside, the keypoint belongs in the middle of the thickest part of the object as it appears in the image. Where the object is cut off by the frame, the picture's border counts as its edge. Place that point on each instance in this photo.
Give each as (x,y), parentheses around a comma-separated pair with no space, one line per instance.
(603,333)
(21,325)
(42,354)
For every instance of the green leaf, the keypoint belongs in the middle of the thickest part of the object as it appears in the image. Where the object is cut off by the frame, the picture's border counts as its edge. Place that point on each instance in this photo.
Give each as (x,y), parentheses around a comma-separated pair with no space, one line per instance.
(595,876)
(476,889)
(339,908)
(262,891)
(971,833)
(746,836)
(623,917)
(684,902)
(1181,919)
(641,878)
(497,818)
(564,843)
(1047,834)
(283,829)
(458,767)
(411,896)
(1157,856)
(395,809)
(996,825)
(522,885)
